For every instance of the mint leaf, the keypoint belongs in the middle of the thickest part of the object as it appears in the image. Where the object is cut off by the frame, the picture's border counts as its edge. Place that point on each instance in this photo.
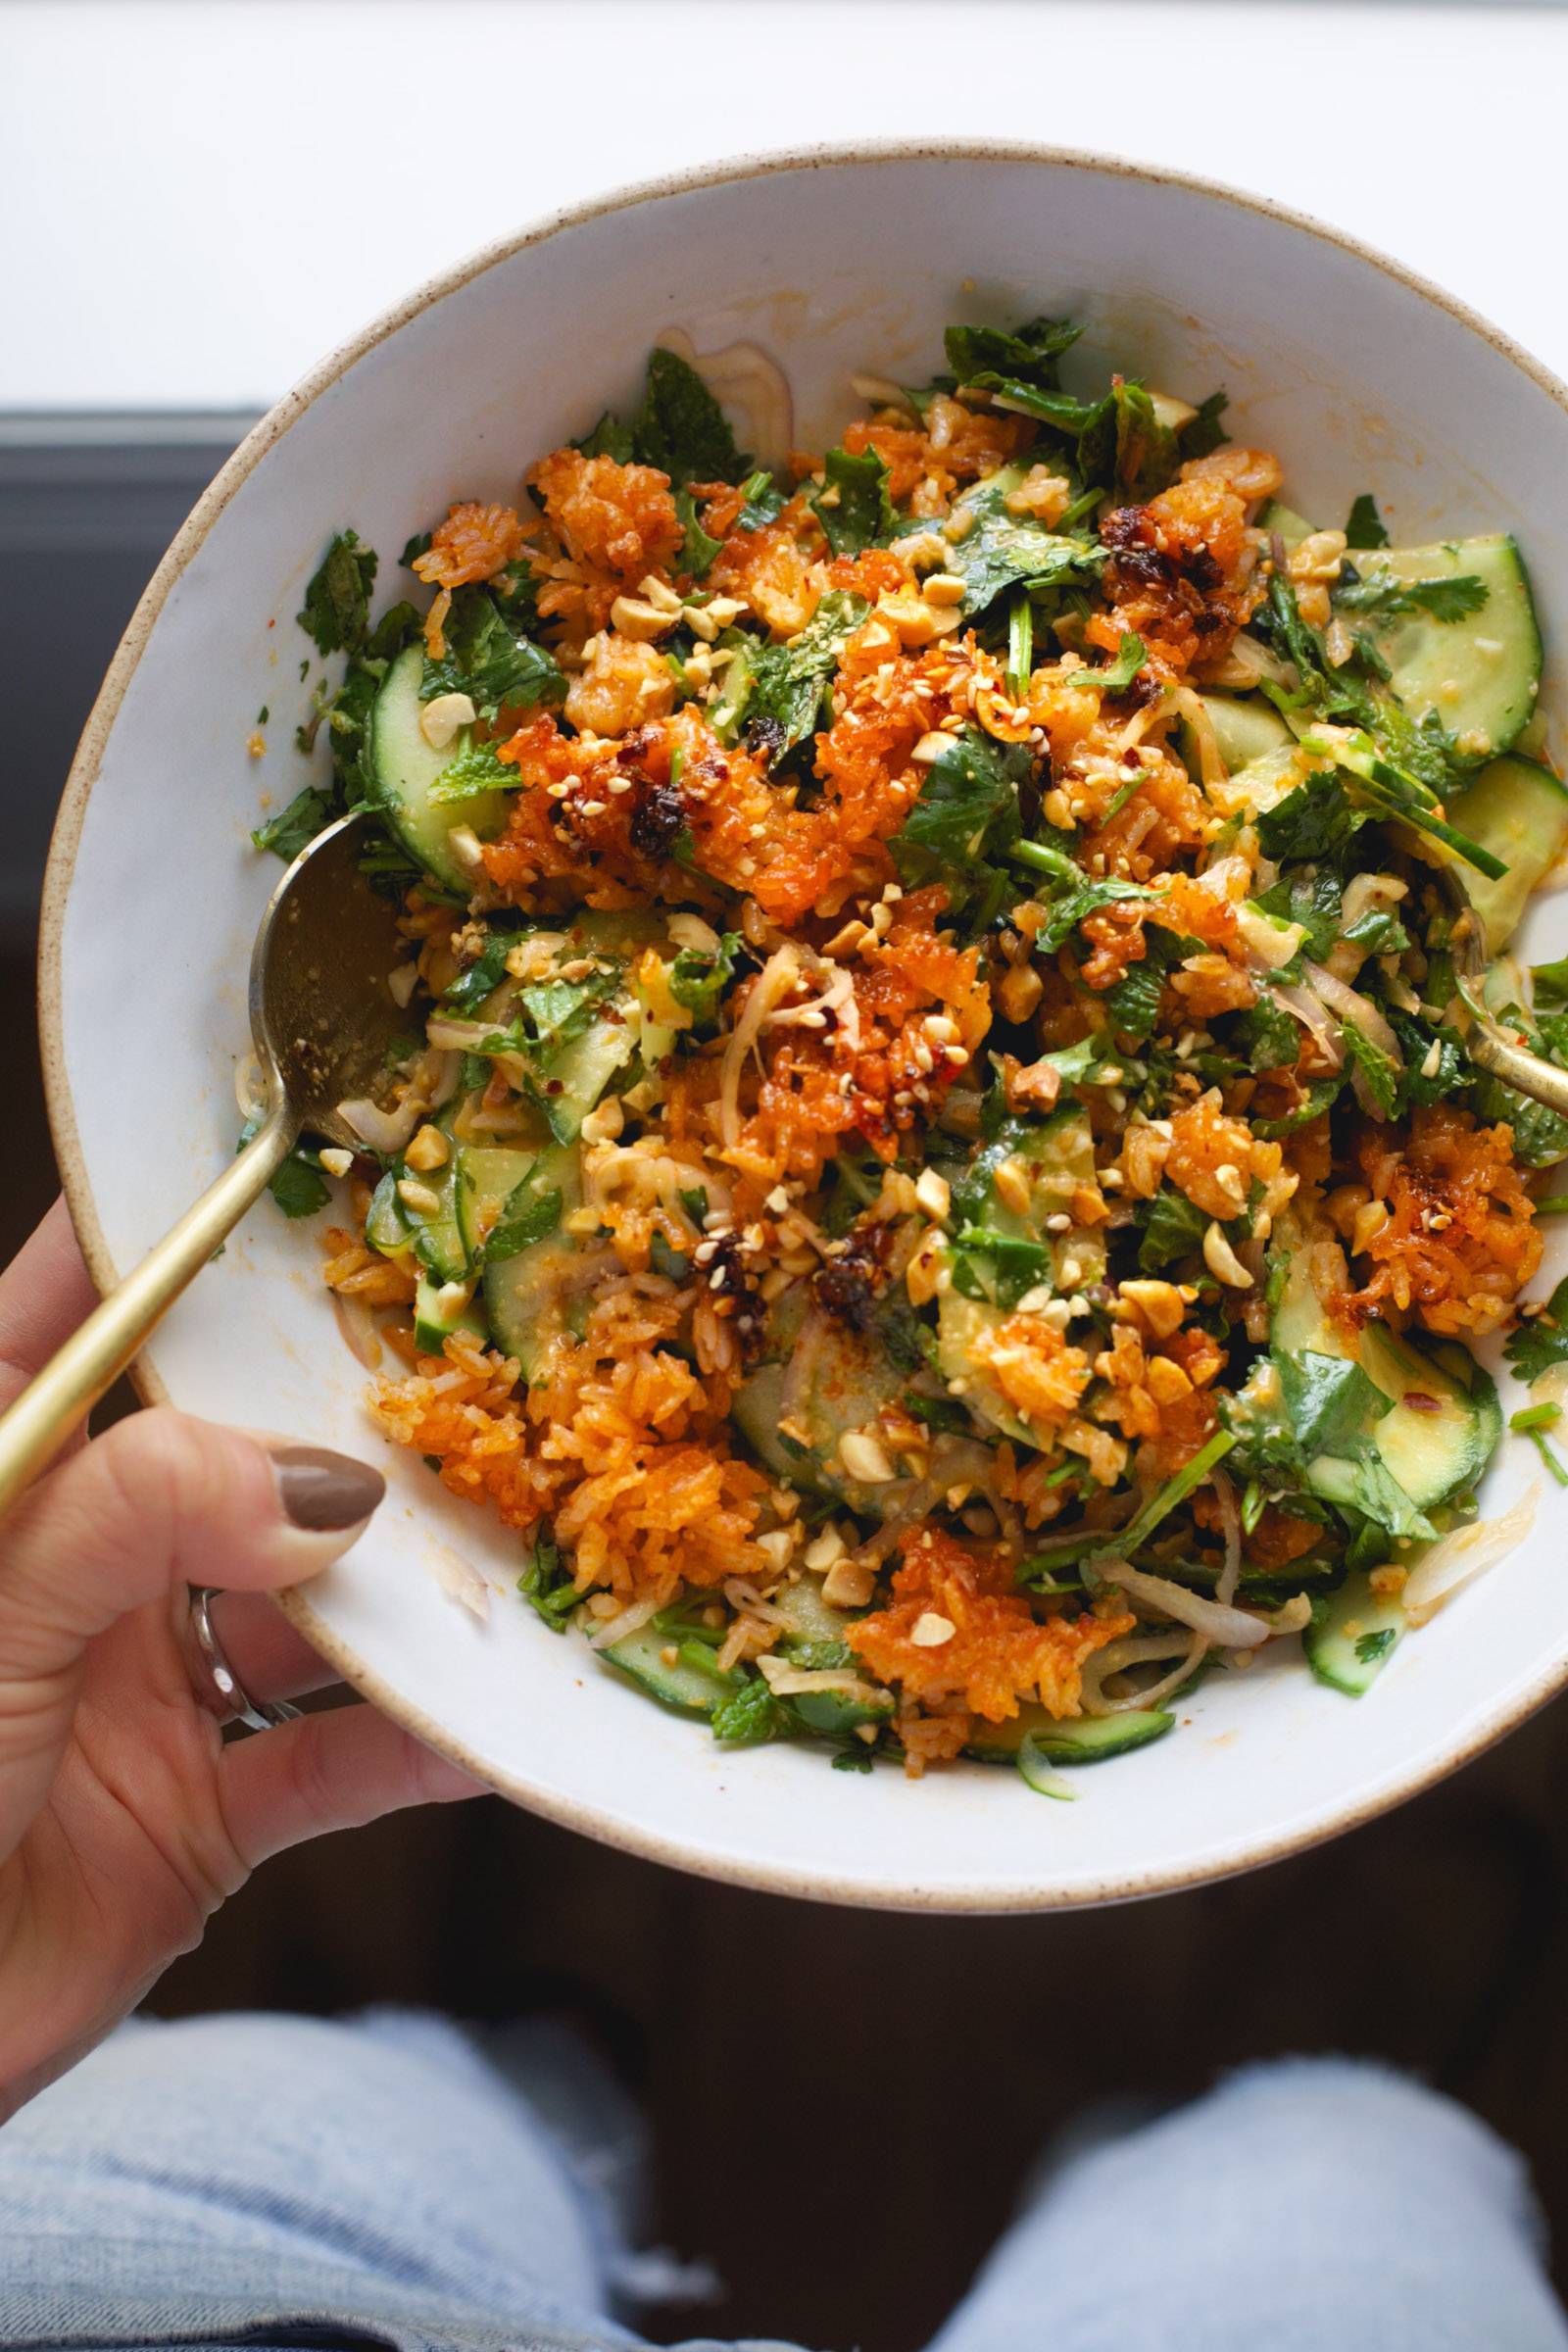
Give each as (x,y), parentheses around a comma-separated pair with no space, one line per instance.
(527,1217)
(295,827)
(478,768)
(680,427)
(337,600)
(749,1715)
(1379,1072)
(1364,527)
(489,661)
(1172,1227)
(789,681)
(853,506)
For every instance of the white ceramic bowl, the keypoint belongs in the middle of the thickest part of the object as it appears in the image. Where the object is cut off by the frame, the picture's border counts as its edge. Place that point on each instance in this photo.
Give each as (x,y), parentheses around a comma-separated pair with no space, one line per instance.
(1360,377)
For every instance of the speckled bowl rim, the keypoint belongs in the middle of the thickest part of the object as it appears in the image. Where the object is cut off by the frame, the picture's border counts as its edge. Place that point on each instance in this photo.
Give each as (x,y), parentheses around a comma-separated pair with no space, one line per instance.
(535,1796)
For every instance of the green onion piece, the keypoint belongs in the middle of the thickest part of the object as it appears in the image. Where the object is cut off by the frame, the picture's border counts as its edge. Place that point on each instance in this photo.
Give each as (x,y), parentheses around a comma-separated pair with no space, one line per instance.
(1556,1204)
(1536,1416)
(1020,646)
(1046,859)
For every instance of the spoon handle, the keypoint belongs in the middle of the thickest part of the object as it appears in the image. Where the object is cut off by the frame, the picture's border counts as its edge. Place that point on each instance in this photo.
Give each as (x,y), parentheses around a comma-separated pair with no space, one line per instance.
(92,1359)
(1526,1072)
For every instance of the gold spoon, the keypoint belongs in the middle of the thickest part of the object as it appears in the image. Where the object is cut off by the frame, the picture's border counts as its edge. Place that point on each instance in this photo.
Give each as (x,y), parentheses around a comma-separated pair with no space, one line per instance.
(321,1018)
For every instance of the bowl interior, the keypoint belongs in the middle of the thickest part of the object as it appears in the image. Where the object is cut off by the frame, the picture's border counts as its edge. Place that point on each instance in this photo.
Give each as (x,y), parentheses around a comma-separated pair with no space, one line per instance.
(1357,377)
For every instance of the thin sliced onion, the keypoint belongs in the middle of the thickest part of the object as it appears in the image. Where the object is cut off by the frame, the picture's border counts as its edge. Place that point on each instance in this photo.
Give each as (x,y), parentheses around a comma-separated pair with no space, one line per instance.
(1351,1006)
(1191,706)
(1227,1628)
(627,1621)
(771,986)
(788,1682)
(1453,1559)
(1268,944)
(1230,1520)
(383,1130)
(358,1327)
(1139,1650)
(1316,1020)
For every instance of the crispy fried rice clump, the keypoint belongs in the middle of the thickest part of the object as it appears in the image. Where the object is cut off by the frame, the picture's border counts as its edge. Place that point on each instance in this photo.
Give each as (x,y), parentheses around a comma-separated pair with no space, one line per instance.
(868,1017)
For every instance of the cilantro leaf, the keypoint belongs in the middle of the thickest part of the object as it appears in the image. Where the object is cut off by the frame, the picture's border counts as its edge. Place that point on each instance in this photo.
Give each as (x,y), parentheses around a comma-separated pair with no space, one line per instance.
(1364,528)
(853,506)
(295,827)
(1379,1072)
(1316,819)
(1070,910)
(789,681)
(1542,1341)
(1330,1404)
(1172,1227)
(1131,655)
(1312,901)
(697,980)
(478,767)
(489,661)
(527,1217)
(547,1587)
(337,600)
(1445,599)
(680,427)
(299,1186)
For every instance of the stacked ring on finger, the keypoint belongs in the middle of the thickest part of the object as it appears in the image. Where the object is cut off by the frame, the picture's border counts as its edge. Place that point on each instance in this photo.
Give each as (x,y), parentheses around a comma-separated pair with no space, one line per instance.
(218,1687)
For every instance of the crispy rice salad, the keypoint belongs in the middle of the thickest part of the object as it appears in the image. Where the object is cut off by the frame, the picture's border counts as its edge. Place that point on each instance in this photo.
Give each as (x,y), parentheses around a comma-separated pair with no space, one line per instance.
(934,1179)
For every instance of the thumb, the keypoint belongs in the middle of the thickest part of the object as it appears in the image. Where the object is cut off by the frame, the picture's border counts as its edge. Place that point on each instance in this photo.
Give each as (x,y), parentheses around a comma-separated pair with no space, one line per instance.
(158,1502)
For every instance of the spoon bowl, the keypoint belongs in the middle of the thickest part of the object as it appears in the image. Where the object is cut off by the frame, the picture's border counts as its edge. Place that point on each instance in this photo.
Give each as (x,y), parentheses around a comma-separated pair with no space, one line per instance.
(322,1017)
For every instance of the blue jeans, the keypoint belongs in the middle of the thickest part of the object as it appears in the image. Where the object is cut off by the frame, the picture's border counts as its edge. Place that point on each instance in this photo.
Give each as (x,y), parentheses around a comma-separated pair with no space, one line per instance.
(273,2180)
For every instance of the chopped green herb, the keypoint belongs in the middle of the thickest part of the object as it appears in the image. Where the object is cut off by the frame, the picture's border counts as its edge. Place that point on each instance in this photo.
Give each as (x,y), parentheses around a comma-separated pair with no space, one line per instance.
(337,600)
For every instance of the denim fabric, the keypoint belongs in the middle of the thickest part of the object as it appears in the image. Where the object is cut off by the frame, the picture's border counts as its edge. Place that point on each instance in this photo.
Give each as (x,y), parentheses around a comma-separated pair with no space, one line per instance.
(274,2180)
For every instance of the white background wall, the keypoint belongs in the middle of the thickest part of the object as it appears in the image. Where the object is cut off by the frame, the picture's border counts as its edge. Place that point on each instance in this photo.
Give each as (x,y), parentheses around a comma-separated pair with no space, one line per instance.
(199,197)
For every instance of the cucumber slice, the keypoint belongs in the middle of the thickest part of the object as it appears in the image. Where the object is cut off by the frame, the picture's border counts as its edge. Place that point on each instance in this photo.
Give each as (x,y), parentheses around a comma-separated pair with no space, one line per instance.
(404,767)
(439,1242)
(1519,811)
(523,1295)
(1350,1636)
(1078,1740)
(813,1620)
(1442,1445)
(687,1689)
(1479,675)
(1246,728)
(1433,1449)
(580,1073)
(1058,1157)
(440,1310)
(488,1174)
(1285,524)
(840,1380)
(386,1225)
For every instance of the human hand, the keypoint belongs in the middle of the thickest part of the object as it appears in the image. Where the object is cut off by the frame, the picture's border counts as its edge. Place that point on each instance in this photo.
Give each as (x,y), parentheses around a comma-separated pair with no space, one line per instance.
(125,1819)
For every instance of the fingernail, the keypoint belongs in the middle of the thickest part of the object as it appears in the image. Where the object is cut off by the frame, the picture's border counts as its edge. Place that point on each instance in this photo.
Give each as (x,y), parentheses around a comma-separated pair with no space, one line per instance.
(321,1492)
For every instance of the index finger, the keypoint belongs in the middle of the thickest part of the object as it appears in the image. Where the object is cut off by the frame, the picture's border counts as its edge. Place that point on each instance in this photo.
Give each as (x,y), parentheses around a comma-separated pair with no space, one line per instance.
(44,1294)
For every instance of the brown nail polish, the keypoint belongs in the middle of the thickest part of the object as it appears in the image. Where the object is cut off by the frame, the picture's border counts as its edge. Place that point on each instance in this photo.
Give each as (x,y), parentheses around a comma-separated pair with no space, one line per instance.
(323,1492)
